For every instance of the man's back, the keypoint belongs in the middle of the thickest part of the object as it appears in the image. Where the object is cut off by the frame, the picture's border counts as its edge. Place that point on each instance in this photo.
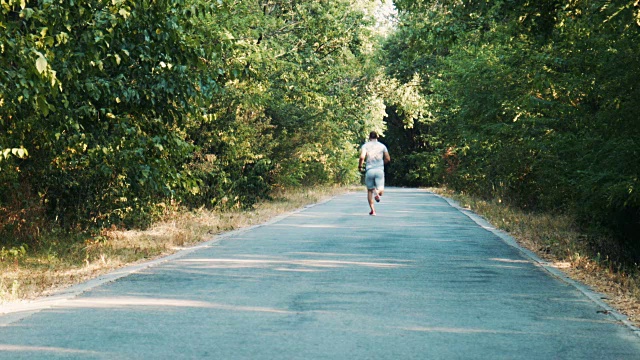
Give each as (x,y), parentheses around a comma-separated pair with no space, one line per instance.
(374,154)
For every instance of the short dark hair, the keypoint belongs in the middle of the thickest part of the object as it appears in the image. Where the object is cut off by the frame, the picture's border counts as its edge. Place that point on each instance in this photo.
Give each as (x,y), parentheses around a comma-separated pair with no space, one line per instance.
(373,135)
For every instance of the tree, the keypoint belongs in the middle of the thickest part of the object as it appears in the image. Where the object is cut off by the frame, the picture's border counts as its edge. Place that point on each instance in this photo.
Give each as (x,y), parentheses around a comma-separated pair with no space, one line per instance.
(111,109)
(533,102)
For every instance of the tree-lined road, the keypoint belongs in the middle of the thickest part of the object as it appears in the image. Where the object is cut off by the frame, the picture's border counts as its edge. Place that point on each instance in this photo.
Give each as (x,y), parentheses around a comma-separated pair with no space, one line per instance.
(422,280)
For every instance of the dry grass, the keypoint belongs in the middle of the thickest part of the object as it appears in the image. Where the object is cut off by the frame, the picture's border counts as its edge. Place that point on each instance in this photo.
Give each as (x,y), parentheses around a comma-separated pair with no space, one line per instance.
(65,263)
(556,239)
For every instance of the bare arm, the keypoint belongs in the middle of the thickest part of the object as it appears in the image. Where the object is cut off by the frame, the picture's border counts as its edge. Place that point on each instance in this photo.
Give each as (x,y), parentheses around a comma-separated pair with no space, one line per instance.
(387,158)
(363,155)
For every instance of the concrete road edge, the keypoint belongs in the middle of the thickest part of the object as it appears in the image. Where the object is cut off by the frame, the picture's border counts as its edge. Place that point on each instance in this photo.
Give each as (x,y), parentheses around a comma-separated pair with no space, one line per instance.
(14,312)
(509,240)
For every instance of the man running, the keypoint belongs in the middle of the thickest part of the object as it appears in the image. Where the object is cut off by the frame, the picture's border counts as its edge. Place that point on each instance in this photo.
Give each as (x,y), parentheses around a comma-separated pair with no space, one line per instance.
(376,155)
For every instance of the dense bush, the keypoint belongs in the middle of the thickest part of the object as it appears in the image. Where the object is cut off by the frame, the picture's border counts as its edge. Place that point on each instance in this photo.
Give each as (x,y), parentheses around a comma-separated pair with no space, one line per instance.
(112,110)
(536,103)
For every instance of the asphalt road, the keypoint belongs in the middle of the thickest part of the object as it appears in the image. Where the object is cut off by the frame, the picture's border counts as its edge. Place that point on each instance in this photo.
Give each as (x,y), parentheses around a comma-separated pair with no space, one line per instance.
(422,280)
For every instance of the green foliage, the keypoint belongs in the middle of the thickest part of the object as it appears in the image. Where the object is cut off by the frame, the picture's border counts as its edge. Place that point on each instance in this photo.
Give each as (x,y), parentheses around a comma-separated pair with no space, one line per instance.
(110,110)
(13,253)
(98,94)
(535,103)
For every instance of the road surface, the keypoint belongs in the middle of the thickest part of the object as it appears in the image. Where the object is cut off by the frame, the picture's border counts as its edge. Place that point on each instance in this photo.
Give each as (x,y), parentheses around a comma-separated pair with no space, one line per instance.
(422,280)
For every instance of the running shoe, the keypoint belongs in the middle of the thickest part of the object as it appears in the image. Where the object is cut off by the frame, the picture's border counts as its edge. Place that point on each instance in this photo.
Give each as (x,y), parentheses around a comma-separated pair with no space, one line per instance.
(372,213)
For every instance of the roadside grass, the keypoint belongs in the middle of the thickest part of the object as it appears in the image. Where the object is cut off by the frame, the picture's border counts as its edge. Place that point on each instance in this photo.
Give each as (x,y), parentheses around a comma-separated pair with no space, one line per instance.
(557,239)
(65,259)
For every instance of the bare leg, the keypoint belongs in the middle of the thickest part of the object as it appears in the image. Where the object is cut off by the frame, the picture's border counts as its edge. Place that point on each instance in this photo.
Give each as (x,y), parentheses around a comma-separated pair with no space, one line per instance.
(370,199)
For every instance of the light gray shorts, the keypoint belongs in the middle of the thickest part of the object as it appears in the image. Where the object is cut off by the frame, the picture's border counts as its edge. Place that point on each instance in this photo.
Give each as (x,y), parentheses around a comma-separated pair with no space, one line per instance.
(374,179)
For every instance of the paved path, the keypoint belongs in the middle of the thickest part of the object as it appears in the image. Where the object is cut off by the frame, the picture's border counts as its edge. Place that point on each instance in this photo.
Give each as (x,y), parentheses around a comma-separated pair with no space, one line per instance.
(422,280)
